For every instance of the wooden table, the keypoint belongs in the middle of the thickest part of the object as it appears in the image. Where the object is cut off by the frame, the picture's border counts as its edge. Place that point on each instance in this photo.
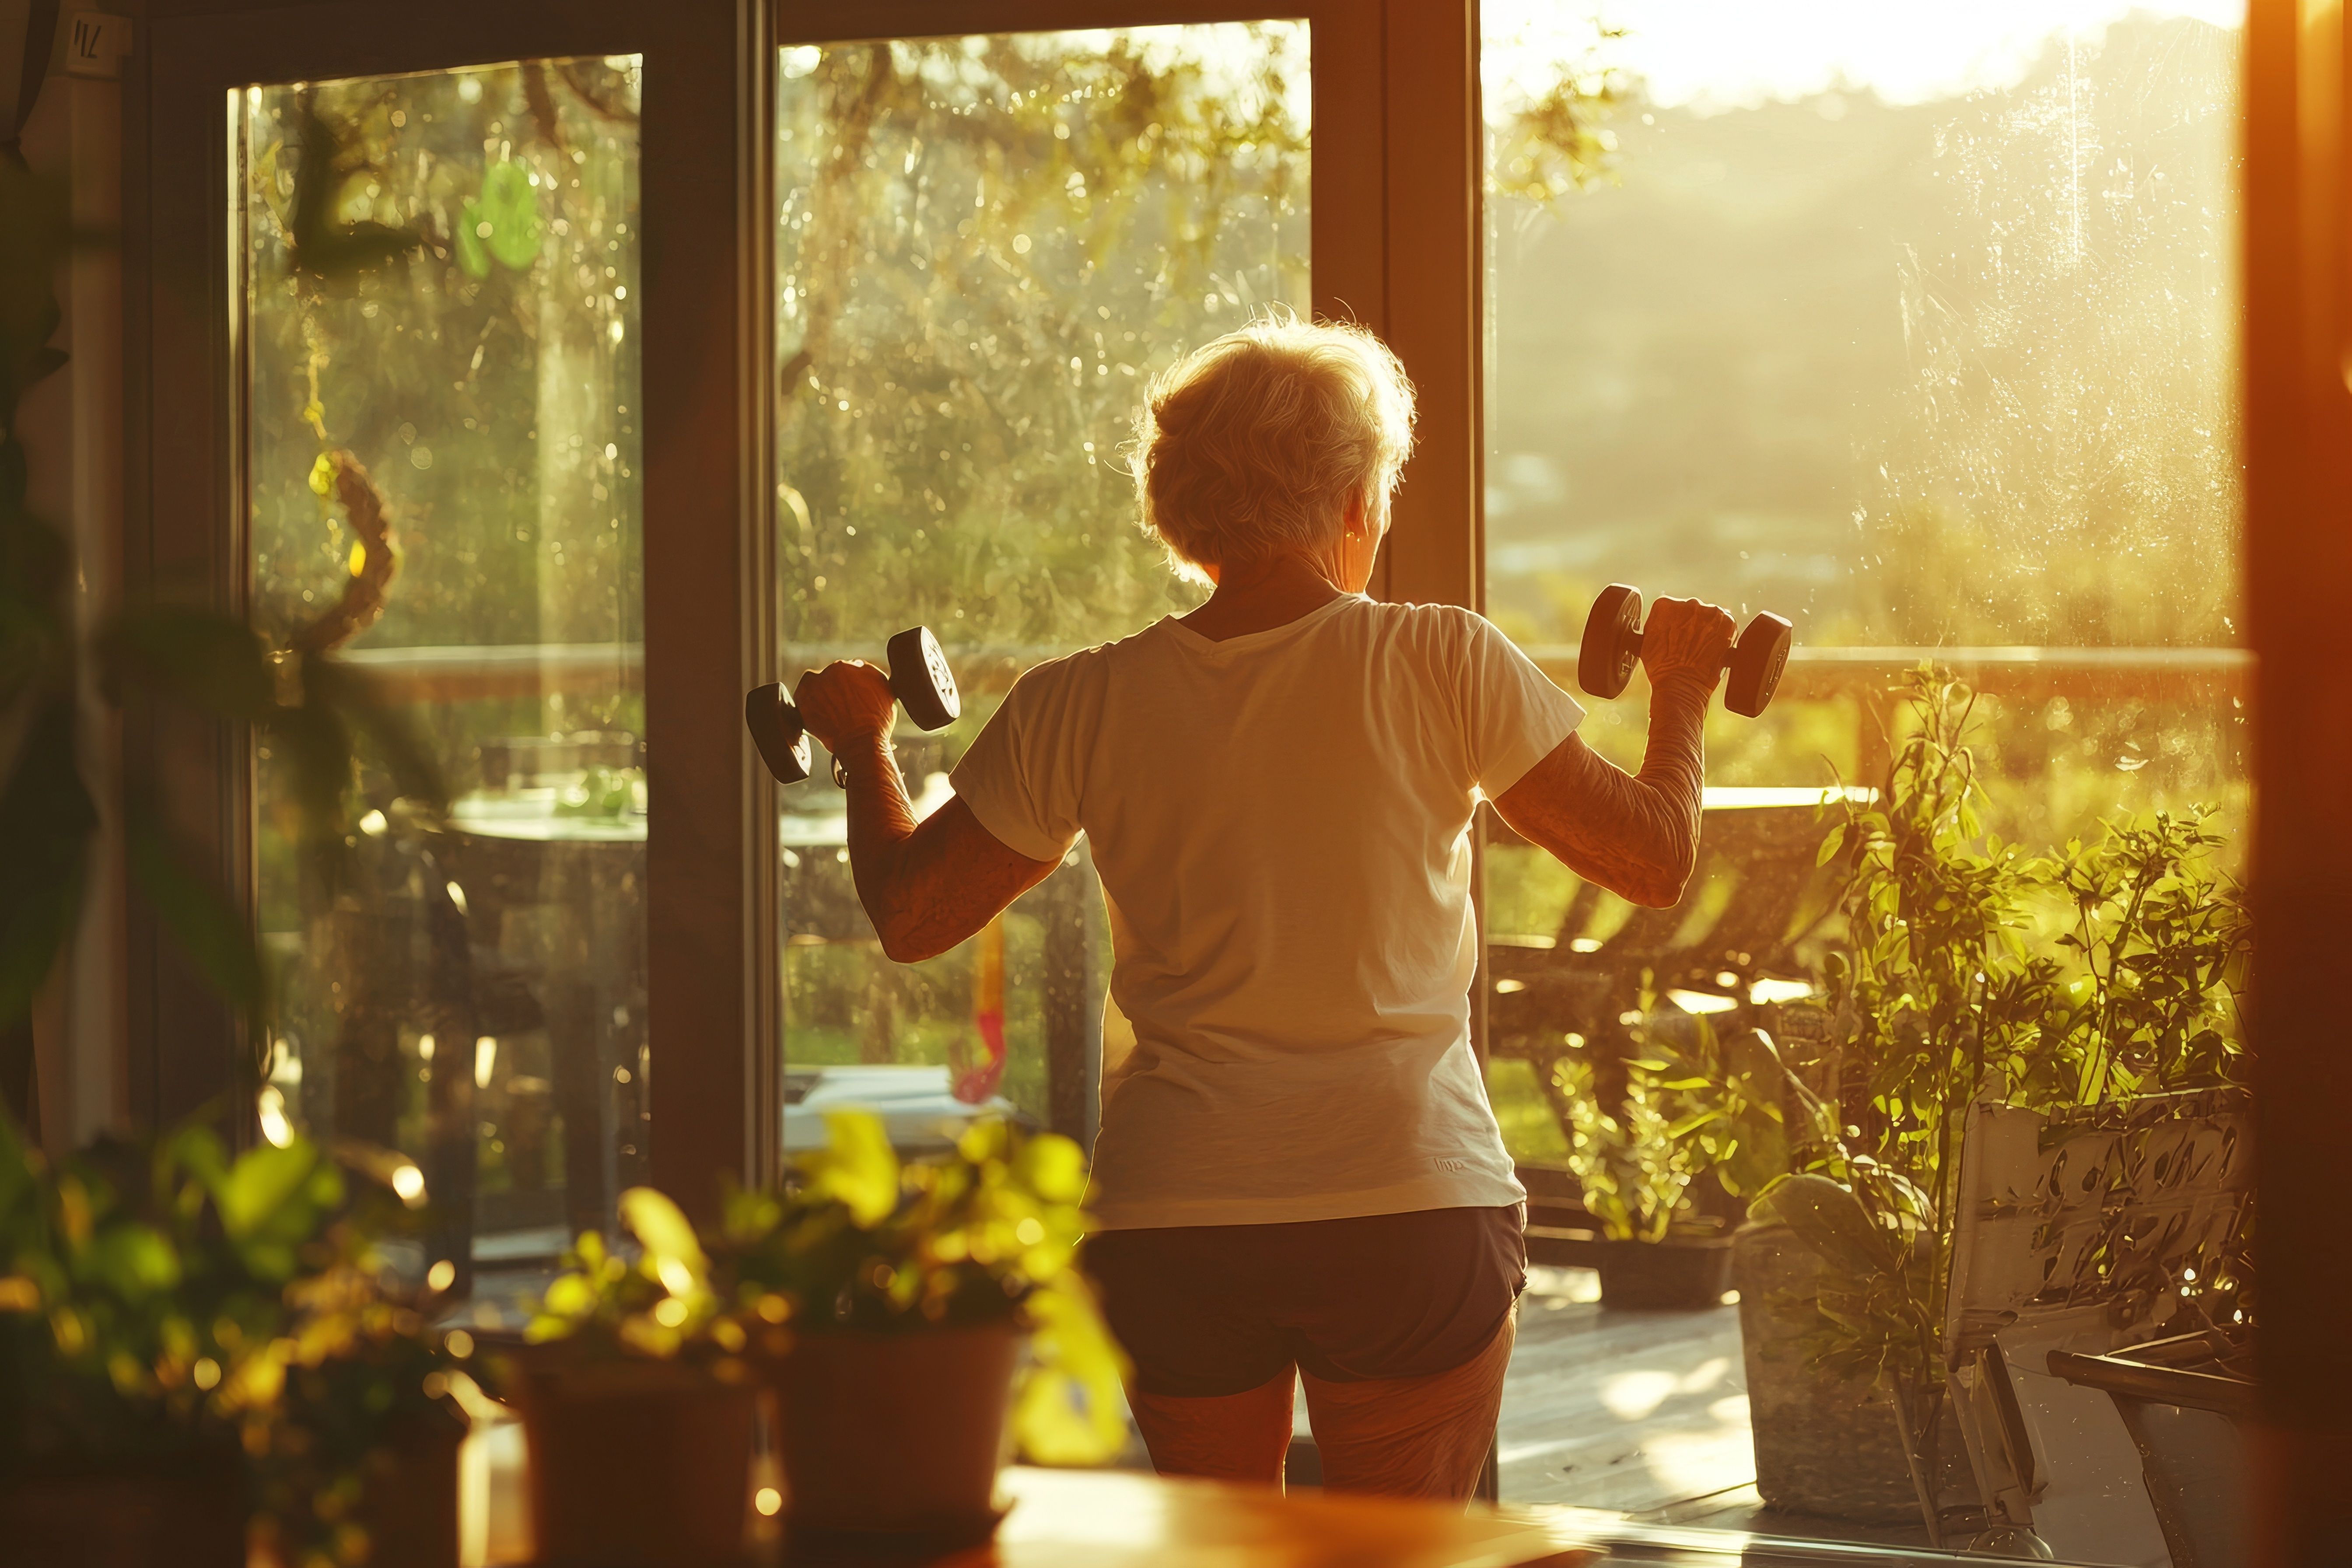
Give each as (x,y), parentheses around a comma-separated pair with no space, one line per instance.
(1122,1518)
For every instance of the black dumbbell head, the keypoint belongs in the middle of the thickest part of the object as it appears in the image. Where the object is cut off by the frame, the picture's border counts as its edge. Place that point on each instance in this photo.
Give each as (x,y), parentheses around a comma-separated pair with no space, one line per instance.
(921,680)
(1757,660)
(1612,641)
(775,726)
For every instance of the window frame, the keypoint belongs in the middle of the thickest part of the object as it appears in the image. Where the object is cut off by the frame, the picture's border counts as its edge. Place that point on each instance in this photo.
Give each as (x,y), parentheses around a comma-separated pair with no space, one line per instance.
(2297,239)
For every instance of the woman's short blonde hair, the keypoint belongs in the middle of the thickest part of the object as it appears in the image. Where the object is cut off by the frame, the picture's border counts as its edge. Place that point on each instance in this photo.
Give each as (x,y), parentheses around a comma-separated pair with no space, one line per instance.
(1253,444)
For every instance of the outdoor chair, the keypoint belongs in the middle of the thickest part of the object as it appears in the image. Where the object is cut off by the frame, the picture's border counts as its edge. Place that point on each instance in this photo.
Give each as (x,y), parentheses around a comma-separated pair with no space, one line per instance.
(1755,894)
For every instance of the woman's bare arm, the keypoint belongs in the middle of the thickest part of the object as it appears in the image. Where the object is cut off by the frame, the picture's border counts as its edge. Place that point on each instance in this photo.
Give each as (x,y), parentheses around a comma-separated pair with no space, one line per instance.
(1636,835)
(926,886)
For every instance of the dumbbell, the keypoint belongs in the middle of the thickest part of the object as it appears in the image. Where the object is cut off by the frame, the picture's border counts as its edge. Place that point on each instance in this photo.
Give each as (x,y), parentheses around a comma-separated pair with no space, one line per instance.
(1612,646)
(920,678)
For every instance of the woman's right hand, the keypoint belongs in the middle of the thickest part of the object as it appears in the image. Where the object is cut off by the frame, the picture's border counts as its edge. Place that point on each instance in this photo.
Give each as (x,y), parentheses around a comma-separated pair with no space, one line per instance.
(1686,637)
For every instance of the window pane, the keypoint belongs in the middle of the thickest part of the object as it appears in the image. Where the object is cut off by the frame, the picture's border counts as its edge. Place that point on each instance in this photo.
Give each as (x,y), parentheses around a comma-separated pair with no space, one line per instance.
(1916,325)
(986,245)
(441,324)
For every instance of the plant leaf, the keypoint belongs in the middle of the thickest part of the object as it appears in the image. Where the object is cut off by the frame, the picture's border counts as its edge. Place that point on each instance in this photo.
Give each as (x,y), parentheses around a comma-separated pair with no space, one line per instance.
(1828,1219)
(1068,1410)
(45,820)
(857,1166)
(198,911)
(663,1228)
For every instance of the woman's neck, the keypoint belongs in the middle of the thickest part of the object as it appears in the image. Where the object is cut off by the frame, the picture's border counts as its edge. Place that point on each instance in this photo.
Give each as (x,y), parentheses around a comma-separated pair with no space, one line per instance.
(1260,596)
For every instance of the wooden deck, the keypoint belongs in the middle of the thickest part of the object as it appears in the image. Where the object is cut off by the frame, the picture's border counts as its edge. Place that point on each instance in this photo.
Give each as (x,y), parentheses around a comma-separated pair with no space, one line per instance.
(1629,1411)
(1642,1415)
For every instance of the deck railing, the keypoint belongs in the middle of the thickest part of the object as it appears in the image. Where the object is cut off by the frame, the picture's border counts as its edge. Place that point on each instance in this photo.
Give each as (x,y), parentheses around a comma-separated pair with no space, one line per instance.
(2031,674)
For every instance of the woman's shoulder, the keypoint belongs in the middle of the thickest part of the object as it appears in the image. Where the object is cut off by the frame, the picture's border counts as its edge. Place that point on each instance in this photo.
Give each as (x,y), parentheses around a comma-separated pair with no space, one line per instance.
(1440,628)
(1064,672)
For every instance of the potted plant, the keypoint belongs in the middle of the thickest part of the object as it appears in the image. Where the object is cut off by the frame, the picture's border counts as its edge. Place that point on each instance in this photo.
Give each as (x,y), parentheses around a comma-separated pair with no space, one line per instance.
(1968,970)
(1693,1109)
(910,1290)
(191,1346)
(636,1402)
(360,1464)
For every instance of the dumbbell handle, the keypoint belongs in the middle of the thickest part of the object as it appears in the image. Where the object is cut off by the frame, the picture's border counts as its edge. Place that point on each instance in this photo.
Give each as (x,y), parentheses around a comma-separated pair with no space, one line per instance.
(1634,642)
(921,681)
(1612,647)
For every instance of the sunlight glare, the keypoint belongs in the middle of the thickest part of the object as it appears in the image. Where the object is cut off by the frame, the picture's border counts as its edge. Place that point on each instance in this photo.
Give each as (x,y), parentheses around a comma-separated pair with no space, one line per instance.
(1636,1396)
(1715,55)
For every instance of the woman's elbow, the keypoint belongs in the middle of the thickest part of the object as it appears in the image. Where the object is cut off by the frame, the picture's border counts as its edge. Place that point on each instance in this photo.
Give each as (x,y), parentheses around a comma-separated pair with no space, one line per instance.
(1664,884)
(901,944)
(1656,894)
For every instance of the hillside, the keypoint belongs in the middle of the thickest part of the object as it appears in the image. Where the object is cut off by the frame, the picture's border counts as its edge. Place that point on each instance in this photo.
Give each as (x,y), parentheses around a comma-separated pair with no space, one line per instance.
(1956,372)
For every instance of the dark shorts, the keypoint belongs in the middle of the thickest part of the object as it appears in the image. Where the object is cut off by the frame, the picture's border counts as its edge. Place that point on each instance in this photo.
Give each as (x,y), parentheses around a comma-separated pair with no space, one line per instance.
(1205,1310)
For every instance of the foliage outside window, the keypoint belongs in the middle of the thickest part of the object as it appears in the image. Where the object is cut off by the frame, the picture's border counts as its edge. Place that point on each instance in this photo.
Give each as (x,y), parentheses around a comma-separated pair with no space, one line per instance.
(1962,361)
(985,249)
(1969,969)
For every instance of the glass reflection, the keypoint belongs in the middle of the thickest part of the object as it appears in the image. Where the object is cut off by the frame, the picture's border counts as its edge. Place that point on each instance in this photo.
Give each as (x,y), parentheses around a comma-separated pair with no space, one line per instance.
(442,460)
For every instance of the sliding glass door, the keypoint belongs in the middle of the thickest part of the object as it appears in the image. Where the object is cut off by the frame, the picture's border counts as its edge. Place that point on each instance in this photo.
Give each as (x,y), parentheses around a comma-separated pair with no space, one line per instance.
(443,308)
(477,287)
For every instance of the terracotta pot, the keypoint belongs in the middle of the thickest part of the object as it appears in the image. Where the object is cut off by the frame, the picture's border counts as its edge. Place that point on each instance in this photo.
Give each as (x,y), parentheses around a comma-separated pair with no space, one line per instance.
(1678,1274)
(410,1506)
(186,1509)
(636,1463)
(894,1437)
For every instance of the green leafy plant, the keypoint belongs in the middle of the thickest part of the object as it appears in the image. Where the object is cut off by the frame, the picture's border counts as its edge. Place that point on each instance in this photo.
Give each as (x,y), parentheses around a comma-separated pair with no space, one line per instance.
(2161,942)
(859,1241)
(985,1233)
(503,224)
(159,1298)
(1705,1104)
(1970,969)
(1634,1171)
(661,1304)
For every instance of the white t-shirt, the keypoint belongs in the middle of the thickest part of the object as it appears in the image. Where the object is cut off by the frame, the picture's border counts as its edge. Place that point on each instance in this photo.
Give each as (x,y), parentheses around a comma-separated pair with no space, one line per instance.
(1281,822)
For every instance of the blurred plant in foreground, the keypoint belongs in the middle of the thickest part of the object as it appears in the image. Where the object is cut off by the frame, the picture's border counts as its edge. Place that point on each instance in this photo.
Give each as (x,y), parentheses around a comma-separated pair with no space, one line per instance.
(159,1299)
(198,659)
(986,1233)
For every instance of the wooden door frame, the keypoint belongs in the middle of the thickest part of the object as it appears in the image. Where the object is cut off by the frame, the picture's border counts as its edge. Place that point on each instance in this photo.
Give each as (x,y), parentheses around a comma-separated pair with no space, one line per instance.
(2298,566)
(708,484)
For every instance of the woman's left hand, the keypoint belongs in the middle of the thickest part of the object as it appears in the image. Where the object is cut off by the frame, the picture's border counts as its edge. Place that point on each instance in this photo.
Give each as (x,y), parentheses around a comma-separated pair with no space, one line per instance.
(845,703)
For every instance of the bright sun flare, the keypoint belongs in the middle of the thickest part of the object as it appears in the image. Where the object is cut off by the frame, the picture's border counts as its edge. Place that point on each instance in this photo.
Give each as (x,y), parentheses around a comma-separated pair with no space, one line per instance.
(1724,54)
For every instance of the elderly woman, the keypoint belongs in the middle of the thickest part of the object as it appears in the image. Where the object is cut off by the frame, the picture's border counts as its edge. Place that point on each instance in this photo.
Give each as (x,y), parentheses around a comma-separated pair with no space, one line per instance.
(1298,1172)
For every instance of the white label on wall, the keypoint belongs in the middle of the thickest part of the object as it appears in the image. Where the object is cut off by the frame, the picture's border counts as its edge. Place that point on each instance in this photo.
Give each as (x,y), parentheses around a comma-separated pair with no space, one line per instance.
(94,43)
